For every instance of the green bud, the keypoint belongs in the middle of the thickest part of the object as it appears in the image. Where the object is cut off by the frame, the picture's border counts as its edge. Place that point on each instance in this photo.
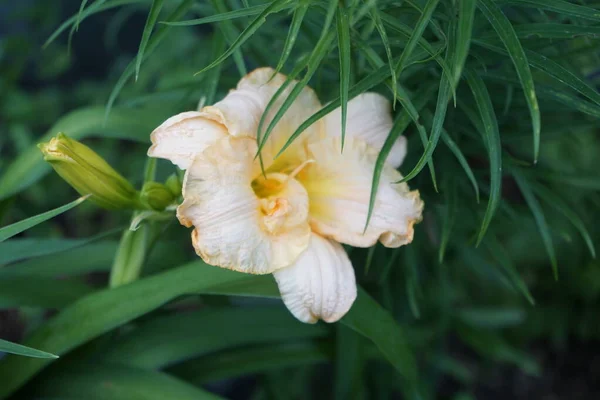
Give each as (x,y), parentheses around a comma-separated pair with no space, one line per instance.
(88,173)
(174,185)
(156,195)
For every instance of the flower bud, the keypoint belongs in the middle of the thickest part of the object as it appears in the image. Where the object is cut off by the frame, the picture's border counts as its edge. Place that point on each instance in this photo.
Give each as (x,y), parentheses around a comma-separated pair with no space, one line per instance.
(156,195)
(174,184)
(88,173)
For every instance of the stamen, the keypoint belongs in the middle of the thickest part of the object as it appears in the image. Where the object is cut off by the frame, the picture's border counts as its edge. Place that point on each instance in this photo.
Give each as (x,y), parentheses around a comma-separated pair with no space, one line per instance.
(299,168)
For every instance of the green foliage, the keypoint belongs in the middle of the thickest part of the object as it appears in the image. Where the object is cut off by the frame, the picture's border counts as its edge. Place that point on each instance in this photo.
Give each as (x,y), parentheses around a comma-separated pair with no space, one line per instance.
(495,80)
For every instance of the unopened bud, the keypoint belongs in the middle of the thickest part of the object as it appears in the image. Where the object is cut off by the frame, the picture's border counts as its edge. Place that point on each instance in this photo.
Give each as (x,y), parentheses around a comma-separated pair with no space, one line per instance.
(156,195)
(88,173)
(174,185)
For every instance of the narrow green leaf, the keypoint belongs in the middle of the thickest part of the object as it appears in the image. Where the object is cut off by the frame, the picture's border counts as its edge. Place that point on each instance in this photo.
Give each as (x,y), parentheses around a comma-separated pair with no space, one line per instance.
(436,128)
(561,206)
(412,284)
(365,84)
(78,261)
(492,139)
(349,364)
(321,49)
(152,45)
(448,218)
(400,125)
(417,33)
(81,8)
(508,36)
(230,32)
(558,6)
(388,51)
(163,341)
(343,31)
(492,318)
(97,7)
(555,31)
(466,13)
(150,22)
(14,348)
(213,76)
(245,361)
(555,70)
(568,99)
(226,16)
(290,40)
(504,259)
(273,7)
(455,149)
(47,293)
(539,217)
(19,249)
(406,31)
(18,227)
(405,100)
(132,124)
(369,261)
(100,381)
(373,321)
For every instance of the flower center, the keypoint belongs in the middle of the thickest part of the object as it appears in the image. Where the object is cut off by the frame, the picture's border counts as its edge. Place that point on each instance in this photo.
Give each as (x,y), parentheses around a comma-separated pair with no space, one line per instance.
(283,202)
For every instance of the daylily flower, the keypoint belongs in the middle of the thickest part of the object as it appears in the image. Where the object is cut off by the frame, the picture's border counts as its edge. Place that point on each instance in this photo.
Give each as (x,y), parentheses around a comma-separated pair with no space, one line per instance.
(290,222)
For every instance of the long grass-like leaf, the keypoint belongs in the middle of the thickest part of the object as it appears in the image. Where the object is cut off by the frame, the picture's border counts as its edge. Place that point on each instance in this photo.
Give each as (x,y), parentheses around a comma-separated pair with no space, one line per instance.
(539,217)
(93,9)
(466,14)
(505,261)
(558,6)
(492,138)
(388,51)
(455,149)
(162,341)
(343,31)
(561,206)
(448,216)
(290,40)
(274,7)
(555,70)
(554,31)
(150,22)
(508,36)
(400,125)
(320,51)
(226,16)
(416,34)
(152,45)
(14,348)
(9,231)
(116,382)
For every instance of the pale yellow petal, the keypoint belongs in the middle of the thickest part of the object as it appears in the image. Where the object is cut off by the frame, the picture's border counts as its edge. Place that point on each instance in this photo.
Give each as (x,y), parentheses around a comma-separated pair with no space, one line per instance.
(184,135)
(369,118)
(234,228)
(241,110)
(320,284)
(339,187)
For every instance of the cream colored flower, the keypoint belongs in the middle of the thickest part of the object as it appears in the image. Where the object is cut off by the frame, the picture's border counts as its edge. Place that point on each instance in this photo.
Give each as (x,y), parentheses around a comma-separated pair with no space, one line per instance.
(290,221)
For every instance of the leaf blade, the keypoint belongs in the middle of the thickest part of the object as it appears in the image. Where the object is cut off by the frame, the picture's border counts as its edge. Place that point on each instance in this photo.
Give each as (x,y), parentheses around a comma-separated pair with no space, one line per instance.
(9,231)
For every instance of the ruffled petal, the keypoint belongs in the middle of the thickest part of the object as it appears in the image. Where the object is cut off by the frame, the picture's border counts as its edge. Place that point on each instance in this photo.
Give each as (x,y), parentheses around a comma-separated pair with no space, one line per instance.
(369,118)
(183,136)
(241,110)
(320,284)
(339,188)
(234,228)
